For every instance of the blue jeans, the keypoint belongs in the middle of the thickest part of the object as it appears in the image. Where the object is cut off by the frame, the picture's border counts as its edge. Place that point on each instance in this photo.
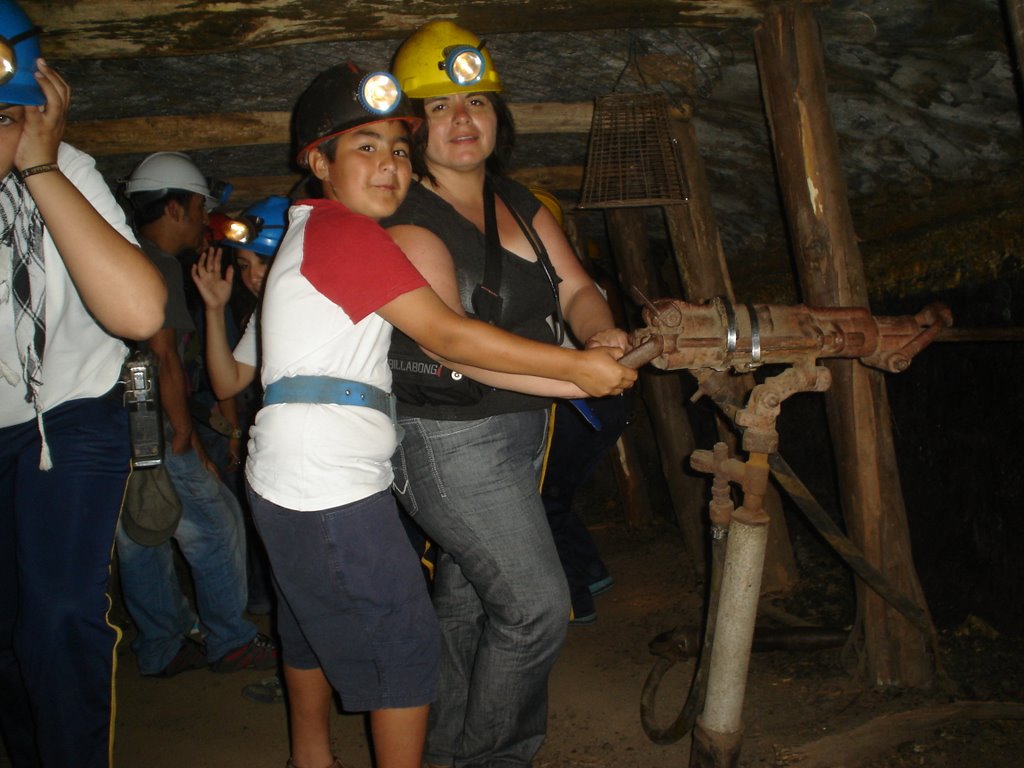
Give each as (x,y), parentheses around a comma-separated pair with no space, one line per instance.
(499,590)
(57,649)
(212,539)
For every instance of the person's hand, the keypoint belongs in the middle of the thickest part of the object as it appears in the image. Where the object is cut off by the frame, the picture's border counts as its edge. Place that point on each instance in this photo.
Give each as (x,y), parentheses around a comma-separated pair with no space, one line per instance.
(209,464)
(215,290)
(203,456)
(610,337)
(600,375)
(44,125)
(181,442)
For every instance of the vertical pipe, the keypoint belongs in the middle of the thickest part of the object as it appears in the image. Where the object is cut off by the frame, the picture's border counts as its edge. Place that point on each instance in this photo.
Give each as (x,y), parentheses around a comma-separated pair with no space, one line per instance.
(734,628)
(717,737)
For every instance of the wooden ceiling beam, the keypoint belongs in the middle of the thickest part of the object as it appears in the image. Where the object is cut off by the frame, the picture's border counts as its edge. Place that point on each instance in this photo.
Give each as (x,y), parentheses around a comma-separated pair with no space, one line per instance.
(100,29)
(234,129)
(249,189)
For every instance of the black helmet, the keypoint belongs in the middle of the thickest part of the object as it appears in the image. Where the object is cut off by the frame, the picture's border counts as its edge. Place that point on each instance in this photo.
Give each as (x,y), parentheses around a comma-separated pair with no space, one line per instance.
(342,98)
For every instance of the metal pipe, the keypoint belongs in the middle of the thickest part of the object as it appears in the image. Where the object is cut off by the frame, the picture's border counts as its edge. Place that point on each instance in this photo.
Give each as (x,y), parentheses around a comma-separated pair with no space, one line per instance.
(737,612)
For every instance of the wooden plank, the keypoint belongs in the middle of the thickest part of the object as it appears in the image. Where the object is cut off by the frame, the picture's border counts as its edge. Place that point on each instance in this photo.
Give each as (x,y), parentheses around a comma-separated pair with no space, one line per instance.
(1015,14)
(129,28)
(882,736)
(182,133)
(550,177)
(249,189)
(191,132)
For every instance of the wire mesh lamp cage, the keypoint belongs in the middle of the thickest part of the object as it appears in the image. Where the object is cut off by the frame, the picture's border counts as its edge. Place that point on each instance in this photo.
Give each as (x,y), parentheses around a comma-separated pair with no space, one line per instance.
(632,159)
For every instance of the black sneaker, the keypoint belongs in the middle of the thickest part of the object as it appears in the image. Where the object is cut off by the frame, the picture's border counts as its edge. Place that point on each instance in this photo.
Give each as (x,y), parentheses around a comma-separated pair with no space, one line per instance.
(190,656)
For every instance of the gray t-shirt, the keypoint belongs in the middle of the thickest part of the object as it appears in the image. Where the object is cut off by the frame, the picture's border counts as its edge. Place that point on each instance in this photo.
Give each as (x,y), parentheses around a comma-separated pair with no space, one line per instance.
(176,314)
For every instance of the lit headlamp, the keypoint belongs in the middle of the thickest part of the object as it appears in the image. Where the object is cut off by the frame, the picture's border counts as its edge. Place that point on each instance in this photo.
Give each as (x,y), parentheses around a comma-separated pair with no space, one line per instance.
(379,93)
(463,64)
(242,230)
(8,59)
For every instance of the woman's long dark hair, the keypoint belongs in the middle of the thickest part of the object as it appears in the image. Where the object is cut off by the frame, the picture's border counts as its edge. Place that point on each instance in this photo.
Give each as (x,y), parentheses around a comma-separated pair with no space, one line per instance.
(504,142)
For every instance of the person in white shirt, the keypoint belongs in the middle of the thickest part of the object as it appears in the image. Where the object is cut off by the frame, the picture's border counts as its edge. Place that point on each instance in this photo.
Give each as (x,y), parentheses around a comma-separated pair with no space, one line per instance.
(72,284)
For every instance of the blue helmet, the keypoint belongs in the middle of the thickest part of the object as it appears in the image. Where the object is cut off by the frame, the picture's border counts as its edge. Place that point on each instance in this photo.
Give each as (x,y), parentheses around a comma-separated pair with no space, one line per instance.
(19,49)
(261,226)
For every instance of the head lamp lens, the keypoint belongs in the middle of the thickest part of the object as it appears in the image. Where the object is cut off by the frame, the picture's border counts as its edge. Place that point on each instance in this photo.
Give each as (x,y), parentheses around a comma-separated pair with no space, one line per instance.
(379,93)
(8,62)
(8,58)
(239,231)
(465,65)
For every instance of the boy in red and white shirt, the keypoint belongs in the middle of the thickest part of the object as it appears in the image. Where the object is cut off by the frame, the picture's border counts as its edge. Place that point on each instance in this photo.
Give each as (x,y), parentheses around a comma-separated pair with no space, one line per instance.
(354,613)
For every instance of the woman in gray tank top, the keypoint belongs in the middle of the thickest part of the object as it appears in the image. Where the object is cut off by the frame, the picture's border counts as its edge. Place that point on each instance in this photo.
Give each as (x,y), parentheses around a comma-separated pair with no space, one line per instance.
(468,472)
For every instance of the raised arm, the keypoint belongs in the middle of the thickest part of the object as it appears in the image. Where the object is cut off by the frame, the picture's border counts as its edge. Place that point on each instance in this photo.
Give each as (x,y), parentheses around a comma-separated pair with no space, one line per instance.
(117,283)
(227,375)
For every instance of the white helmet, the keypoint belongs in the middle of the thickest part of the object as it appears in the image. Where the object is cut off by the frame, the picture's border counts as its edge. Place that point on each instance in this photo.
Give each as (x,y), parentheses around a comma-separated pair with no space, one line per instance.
(162,172)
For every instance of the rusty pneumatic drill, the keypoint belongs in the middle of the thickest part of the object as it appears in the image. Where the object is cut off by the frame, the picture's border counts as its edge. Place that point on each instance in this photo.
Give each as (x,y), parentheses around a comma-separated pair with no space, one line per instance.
(710,340)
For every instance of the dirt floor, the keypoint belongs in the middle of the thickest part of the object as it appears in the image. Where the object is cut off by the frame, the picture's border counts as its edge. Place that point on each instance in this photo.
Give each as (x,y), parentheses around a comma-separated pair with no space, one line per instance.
(793,699)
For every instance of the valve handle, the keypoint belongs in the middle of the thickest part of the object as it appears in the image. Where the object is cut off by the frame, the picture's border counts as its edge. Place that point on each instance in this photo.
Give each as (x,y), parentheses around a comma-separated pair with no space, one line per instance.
(643,352)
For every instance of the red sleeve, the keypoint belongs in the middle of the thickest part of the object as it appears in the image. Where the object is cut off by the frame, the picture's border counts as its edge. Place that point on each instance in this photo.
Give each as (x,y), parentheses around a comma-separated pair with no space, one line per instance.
(352,261)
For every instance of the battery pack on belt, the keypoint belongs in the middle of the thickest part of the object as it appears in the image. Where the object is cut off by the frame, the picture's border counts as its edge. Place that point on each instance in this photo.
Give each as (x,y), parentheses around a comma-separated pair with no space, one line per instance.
(329,390)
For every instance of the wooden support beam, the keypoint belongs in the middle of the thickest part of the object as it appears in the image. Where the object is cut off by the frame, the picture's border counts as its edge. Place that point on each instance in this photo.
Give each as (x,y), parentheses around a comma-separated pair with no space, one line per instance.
(128,28)
(1015,14)
(697,246)
(624,459)
(791,65)
(187,133)
(662,392)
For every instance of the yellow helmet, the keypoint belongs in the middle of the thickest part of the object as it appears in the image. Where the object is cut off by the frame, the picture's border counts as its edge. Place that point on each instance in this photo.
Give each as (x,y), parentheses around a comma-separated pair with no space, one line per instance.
(550,202)
(441,58)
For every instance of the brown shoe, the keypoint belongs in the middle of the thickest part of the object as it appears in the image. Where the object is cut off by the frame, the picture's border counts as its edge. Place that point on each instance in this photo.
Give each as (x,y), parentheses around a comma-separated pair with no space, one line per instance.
(191,655)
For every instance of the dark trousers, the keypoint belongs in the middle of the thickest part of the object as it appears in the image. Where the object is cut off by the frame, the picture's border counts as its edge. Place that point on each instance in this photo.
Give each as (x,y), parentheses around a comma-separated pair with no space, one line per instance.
(576,451)
(56,537)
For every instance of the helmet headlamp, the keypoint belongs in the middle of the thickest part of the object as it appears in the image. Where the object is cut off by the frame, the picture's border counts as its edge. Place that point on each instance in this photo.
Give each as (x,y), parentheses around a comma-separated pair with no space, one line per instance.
(241,230)
(342,98)
(464,64)
(259,228)
(379,93)
(8,58)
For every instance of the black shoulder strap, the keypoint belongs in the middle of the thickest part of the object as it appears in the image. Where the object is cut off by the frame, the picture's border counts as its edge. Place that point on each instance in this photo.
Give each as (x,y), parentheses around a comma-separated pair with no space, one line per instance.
(546,265)
(487,295)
